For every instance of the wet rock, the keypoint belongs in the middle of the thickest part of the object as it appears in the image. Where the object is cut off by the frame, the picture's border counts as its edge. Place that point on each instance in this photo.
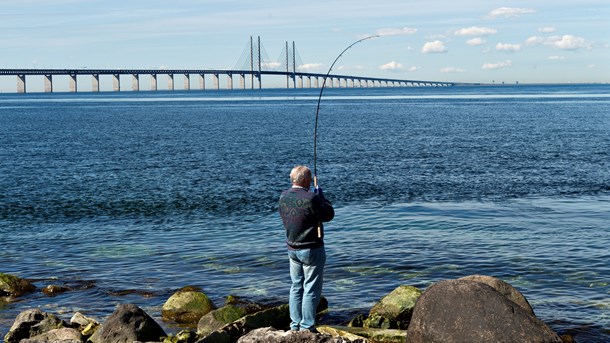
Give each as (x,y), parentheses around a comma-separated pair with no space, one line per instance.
(63,335)
(126,324)
(394,310)
(31,323)
(216,319)
(187,307)
(504,288)
(53,290)
(271,335)
(357,321)
(124,292)
(466,311)
(14,286)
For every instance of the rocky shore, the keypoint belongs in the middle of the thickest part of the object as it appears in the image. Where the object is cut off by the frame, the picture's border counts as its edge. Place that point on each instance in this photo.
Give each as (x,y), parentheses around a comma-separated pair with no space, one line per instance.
(470,309)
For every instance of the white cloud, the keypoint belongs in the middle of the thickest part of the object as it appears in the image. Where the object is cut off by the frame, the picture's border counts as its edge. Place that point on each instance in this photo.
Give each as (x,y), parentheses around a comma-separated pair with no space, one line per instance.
(547,29)
(475,41)
(591,66)
(392,66)
(475,31)
(568,42)
(508,47)
(565,42)
(498,65)
(510,12)
(556,58)
(396,31)
(534,40)
(451,70)
(310,66)
(434,47)
(414,69)
(270,65)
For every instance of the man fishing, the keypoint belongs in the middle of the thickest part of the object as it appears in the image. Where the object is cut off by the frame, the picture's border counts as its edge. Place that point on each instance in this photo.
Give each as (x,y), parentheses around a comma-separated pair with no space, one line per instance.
(302,213)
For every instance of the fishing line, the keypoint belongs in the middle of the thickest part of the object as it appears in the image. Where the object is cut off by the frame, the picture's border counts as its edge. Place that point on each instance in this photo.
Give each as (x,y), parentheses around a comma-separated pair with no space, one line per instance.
(315,130)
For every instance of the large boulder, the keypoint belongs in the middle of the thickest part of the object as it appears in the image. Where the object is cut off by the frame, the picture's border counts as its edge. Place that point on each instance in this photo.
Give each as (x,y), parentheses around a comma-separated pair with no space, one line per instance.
(126,324)
(32,323)
(394,310)
(63,335)
(187,307)
(13,286)
(510,292)
(216,319)
(271,335)
(466,311)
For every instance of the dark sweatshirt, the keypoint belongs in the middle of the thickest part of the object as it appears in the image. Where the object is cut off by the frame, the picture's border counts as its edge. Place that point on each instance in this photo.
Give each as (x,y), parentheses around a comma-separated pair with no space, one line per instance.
(302,211)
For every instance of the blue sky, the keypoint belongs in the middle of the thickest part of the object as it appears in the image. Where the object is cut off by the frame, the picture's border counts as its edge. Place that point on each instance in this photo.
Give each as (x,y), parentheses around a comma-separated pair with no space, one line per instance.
(467,40)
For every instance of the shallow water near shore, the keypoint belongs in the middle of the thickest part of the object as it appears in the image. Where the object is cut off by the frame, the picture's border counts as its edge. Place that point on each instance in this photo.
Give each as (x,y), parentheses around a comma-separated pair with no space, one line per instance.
(127,197)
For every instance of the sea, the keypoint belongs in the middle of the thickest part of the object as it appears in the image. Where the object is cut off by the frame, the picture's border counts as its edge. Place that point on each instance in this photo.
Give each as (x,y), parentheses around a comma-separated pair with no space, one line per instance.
(126,197)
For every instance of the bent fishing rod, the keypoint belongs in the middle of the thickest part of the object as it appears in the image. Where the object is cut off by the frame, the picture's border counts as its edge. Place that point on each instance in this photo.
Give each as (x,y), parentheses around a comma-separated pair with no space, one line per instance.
(315,131)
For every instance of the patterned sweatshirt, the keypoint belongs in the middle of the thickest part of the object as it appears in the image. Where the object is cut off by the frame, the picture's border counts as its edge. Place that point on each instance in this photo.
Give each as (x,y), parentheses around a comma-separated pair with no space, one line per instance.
(302,211)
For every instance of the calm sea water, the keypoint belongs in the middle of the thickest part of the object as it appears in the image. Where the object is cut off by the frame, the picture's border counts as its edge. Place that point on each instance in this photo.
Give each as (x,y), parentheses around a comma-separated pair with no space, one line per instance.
(126,197)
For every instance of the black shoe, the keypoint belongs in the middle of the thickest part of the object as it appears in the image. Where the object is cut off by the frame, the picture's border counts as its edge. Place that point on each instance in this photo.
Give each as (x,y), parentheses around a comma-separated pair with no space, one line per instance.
(312,330)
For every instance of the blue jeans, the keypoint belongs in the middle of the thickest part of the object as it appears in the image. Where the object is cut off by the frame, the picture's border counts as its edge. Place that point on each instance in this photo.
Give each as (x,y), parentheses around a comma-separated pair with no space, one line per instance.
(307,273)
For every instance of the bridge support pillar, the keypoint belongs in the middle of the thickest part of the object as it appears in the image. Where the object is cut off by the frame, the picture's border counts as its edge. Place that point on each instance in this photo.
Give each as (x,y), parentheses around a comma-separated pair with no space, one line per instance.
(309,82)
(153,82)
(21,83)
(215,80)
(95,82)
(73,83)
(48,83)
(170,82)
(116,82)
(300,81)
(135,83)
(202,81)
(316,82)
(187,82)
(229,81)
(242,81)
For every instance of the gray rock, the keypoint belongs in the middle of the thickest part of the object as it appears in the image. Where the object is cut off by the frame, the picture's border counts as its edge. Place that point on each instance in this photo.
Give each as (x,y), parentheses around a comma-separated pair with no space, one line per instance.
(63,335)
(466,311)
(271,335)
(11,285)
(504,288)
(31,323)
(126,324)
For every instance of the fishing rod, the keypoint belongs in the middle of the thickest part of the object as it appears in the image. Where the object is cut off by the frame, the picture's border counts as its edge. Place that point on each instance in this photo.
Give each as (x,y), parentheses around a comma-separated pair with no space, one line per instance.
(315,131)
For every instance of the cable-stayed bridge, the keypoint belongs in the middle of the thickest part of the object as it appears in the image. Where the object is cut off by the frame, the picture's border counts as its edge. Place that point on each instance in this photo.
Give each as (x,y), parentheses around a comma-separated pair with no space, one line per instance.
(248,73)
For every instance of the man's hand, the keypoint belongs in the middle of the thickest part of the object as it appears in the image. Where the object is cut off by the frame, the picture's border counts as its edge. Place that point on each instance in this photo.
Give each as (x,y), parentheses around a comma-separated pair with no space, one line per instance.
(318,190)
